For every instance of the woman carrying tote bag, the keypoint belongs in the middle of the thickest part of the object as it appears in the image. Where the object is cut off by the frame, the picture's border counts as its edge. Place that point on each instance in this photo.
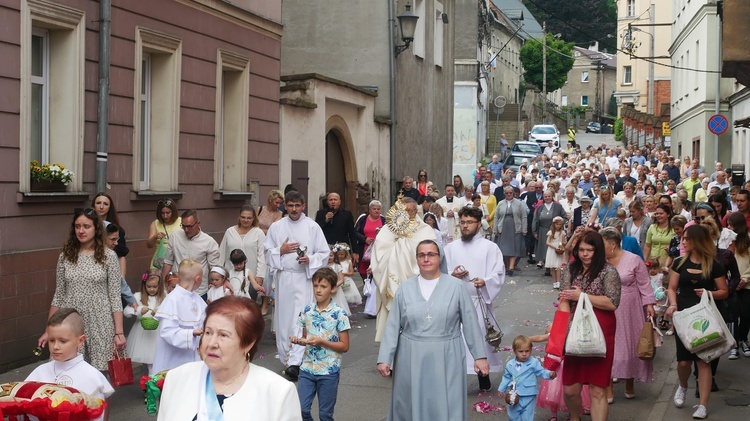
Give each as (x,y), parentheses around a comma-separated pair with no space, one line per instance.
(691,274)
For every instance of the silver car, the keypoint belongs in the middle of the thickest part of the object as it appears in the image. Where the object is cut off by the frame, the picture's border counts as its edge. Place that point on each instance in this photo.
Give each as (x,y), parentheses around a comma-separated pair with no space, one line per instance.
(515,160)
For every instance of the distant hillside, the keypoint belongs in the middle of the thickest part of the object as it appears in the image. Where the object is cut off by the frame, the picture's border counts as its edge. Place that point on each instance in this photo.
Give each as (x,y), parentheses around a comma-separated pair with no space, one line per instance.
(595,19)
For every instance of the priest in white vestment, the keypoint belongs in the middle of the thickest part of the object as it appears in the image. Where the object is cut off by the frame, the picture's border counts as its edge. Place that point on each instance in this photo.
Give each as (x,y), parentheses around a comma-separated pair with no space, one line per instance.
(393,258)
(451,205)
(295,249)
(478,262)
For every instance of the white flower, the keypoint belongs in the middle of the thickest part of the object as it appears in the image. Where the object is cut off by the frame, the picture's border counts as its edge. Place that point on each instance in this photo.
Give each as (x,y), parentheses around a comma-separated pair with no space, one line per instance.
(66,172)
(54,168)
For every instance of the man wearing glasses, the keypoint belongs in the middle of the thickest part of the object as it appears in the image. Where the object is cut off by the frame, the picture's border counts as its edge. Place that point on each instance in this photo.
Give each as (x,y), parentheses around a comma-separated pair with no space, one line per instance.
(479,263)
(193,243)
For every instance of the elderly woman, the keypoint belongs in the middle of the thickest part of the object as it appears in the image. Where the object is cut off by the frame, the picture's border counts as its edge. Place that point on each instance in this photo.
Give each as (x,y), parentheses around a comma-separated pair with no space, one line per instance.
(540,225)
(510,226)
(271,212)
(606,206)
(570,202)
(638,223)
(428,314)
(626,196)
(580,214)
(691,275)
(249,238)
(220,386)
(591,274)
(167,221)
(367,226)
(88,280)
(636,304)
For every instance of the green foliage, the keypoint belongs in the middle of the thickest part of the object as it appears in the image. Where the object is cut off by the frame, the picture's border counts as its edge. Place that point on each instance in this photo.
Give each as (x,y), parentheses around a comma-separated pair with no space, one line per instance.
(619,130)
(597,18)
(575,110)
(612,109)
(558,65)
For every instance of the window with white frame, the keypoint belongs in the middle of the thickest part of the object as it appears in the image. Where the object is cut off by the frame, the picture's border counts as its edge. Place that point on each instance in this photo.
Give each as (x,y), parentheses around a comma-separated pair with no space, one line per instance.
(630,8)
(585,100)
(232,92)
(39,112)
(156,117)
(438,34)
(52,89)
(627,75)
(585,76)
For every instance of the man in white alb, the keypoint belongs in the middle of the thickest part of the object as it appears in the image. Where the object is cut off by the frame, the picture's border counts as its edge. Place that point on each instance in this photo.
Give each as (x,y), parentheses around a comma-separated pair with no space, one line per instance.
(295,249)
(479,262)
(451,205)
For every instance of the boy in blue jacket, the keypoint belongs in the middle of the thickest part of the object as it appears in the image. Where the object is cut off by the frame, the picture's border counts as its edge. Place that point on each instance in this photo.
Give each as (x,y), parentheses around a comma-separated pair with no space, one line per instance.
(521,375)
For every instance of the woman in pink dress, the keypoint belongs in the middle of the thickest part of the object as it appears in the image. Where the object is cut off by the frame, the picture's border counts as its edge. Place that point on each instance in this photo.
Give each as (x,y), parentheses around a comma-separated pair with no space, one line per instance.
(636,304)
(367,227)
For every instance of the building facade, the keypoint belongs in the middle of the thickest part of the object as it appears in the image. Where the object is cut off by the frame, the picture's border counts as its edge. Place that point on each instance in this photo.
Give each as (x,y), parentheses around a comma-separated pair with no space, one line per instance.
(591,82)
(354,42)
(695,50)
(632,70)
(193,116)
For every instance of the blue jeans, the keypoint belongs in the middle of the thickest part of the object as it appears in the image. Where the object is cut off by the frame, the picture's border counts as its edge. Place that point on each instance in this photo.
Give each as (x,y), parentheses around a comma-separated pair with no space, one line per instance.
(326,387)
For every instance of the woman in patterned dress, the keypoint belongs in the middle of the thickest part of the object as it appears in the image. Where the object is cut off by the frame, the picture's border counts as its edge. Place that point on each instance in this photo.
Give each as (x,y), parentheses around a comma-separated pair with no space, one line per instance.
(88,280)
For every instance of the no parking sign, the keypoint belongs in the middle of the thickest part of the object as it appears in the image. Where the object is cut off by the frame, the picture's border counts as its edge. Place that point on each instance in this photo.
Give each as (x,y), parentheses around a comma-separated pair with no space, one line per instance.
(718,124)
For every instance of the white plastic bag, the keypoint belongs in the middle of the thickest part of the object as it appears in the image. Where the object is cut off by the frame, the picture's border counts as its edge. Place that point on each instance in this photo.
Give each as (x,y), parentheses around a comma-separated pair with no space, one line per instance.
(586,338)
(721,348)
(371,305)
(700,326)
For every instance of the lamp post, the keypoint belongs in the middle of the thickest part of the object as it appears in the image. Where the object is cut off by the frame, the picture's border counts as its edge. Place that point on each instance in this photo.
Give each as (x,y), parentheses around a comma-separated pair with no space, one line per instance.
(407,22)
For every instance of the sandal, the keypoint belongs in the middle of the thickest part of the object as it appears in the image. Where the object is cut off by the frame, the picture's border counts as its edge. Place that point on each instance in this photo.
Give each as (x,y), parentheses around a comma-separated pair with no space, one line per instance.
(664,324)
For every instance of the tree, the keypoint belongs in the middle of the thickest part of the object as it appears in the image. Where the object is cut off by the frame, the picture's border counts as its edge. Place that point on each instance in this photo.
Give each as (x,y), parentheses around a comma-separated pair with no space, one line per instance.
(581,21)
(559,62)
(619,130)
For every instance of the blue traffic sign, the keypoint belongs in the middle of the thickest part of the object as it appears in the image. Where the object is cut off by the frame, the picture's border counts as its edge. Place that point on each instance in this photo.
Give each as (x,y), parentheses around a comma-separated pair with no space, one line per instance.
(718,124)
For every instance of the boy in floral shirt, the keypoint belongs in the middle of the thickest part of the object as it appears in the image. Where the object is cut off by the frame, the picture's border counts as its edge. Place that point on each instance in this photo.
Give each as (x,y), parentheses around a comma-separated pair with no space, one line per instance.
(325,335)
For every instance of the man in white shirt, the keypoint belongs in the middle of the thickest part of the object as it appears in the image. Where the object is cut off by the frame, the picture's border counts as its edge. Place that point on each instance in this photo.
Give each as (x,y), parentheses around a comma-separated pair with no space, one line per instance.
(192,242)
(612,161)
(720,181)
(564,178)
(549,150)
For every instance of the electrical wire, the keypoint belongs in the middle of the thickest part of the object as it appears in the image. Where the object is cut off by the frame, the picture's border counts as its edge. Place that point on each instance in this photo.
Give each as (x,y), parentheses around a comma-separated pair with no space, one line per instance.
(580,31)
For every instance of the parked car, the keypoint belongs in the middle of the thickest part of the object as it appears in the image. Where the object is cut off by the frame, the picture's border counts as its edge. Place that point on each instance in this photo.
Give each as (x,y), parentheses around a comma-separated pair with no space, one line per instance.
(543,133)
(515,159)
(527,148)
(593,127)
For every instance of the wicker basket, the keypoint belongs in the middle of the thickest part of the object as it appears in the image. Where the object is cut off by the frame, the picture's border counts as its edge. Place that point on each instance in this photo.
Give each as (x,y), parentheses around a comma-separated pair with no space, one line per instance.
(149,323)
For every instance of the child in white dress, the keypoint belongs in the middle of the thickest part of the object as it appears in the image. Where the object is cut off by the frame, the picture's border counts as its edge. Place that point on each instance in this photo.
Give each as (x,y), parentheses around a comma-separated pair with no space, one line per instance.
(338,296)
(555,242)
(67,368)
(142,342)
(219,286)
(344,258)
(241,279)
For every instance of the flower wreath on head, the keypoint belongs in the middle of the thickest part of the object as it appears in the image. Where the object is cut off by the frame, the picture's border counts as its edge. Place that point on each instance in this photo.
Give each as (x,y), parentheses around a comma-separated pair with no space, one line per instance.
(649,263)
(594,226)
(340,246)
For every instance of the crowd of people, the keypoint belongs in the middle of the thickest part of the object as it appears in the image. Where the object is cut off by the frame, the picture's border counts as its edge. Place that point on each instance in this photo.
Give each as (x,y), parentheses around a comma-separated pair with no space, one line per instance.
(640,233)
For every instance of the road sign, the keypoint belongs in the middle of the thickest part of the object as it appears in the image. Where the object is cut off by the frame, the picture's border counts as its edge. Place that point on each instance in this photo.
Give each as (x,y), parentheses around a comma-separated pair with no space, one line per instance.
(718,124)
(665,130)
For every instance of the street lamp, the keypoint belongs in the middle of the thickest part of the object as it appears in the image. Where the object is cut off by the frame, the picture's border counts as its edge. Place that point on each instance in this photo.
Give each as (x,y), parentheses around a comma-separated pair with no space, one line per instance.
(407,22)
(650,103)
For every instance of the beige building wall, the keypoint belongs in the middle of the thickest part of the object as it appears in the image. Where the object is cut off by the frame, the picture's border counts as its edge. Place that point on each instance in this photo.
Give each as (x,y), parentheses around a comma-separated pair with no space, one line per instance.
(635,92)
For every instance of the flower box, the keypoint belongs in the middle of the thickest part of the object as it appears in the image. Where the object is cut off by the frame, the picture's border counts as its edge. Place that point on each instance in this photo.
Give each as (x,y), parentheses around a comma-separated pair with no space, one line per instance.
(48,186)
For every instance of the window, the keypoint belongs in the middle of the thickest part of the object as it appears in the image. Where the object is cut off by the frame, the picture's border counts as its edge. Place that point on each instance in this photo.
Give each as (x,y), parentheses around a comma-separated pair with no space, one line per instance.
(418,45)
(585,100)
(232,96)
(627,75)
(564,101)
(39,113)
(584,76)
(438,34)
(156,118)
(51,109)
(630,8)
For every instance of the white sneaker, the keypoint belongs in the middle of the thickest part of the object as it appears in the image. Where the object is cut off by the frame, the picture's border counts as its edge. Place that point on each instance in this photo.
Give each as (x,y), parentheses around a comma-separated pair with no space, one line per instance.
(745,348)
(700,412)
(679,396)
(734,354)
(556,285)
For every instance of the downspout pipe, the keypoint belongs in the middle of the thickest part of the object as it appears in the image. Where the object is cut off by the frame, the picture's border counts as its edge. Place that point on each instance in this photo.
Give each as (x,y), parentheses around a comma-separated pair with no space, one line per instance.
(102,120)
(392,94)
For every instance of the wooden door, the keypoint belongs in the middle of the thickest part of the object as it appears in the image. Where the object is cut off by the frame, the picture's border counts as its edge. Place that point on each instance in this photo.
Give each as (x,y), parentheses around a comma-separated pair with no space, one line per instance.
(300,177)
(335,171)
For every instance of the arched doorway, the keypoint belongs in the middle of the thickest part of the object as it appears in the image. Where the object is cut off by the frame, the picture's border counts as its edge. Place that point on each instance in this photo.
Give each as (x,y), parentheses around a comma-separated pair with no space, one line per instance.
(335,166)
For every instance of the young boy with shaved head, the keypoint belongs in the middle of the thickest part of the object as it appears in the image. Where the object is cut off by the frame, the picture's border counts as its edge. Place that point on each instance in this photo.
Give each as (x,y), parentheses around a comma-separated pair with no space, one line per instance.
(67,368)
